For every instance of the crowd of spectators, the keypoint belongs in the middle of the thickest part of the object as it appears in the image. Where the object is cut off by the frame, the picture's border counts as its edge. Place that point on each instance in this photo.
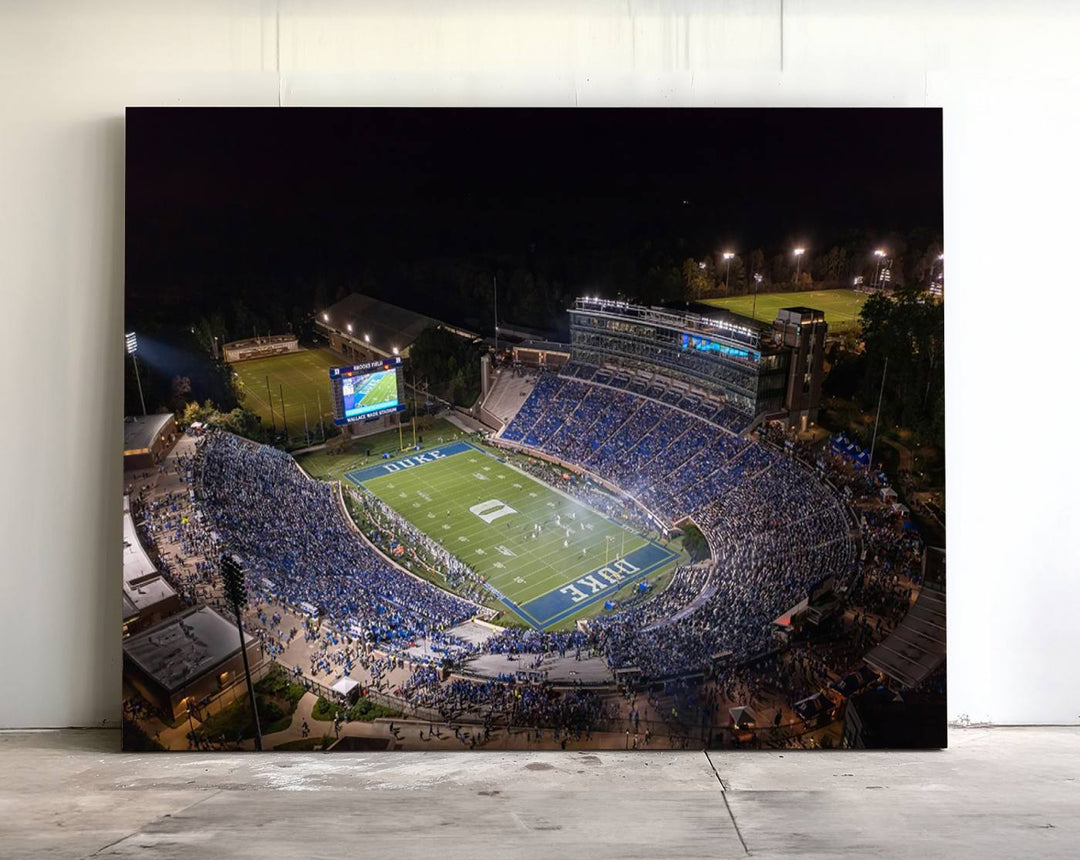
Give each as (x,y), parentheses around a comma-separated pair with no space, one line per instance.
(773,527)
(568,714)
(390,531)
(292,537)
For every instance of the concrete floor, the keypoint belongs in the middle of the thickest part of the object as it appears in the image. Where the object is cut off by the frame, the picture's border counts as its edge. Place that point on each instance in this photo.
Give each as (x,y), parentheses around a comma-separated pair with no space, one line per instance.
(1003,792)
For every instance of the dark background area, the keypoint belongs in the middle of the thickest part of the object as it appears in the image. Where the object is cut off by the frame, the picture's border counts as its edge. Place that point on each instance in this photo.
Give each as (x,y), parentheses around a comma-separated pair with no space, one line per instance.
(242,220)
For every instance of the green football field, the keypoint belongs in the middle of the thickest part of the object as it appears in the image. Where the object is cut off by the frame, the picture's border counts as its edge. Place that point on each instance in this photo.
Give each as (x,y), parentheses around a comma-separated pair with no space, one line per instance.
(841,307)
(487,513)
(304,380)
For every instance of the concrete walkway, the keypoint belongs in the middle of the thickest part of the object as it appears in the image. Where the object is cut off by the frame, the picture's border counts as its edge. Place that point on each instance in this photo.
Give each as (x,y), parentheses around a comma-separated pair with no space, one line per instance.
(995,793)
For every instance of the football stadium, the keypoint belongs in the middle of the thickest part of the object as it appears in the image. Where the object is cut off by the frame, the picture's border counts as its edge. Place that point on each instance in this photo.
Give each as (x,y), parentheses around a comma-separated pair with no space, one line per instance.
(640,521)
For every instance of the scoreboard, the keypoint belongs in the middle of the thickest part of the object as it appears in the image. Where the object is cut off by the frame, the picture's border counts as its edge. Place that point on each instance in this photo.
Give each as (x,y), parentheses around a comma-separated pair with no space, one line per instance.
(361,392)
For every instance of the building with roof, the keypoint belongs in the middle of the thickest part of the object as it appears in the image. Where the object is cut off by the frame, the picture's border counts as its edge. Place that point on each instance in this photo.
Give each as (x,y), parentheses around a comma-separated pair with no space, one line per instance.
(138,565)
(802,331)
(260,347)
(147,595)
(148,603)
(186,659)
(542,353)
(366,329)
(147,439)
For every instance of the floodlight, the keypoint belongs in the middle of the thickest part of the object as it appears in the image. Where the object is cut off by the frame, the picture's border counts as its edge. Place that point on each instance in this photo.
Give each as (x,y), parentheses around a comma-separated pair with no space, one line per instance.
(131,342)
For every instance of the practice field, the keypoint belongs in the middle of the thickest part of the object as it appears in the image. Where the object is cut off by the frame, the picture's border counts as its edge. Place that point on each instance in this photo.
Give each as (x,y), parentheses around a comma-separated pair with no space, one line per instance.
(841,307)
(304,379)
(545,556)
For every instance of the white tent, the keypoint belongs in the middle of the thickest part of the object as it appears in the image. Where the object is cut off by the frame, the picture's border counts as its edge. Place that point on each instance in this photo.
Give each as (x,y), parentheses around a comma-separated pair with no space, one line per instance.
(344,687)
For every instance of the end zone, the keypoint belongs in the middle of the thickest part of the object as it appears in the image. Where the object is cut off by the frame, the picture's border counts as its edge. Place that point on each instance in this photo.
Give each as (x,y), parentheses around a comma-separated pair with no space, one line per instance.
(571,597)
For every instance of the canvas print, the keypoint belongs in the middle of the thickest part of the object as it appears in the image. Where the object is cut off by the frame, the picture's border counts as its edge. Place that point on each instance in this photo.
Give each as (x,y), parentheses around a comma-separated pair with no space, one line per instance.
(533,430)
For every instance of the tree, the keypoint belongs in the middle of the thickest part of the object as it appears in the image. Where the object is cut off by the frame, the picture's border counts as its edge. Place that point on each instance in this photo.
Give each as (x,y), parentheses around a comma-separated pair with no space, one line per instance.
(757,263)
(910,333)
(697,279)
(449,364)
(181,387)
(778,269)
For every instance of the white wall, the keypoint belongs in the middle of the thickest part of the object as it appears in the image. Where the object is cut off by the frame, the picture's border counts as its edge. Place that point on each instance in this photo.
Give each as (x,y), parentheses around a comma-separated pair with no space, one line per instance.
(1005,77)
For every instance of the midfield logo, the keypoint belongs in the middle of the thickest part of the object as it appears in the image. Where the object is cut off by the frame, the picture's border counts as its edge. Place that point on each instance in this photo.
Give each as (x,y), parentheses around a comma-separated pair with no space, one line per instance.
(491,510)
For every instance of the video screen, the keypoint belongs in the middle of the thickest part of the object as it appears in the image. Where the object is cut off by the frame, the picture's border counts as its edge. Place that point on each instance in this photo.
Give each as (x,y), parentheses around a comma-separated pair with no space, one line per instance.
(372,392)
(365,391)
(704,344)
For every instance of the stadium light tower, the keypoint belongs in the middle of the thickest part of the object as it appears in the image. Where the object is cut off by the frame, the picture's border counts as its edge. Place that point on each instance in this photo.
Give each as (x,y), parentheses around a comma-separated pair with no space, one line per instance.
(395,350)
(325,317)
(131,342)
(348,327)
(798,263)
(367,338)
(727,270)
(232,580)
(880,254)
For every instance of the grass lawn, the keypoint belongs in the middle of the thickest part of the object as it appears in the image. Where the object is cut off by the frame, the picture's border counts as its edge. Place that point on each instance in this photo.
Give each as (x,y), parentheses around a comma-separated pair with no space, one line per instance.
(487,514)
(841,306)
(332,465)
(304,380)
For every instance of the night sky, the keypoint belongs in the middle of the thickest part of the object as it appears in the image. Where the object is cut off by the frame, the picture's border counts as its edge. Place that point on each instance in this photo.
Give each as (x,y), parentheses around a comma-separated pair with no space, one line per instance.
(285,198)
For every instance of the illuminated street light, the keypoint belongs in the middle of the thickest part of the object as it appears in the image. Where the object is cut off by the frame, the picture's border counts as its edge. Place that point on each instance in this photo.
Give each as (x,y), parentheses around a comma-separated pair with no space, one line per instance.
(798,262)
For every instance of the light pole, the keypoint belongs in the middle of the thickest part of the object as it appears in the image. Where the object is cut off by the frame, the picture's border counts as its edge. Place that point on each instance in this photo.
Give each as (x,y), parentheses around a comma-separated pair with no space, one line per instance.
(132,344)
(880,254)
(232,580)
(877,417)
(727,268)
(798,263)
(757,283)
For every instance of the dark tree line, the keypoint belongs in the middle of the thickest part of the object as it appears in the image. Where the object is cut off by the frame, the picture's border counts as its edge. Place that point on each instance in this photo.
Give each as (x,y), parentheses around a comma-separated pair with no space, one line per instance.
(908,332)
(447,364)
